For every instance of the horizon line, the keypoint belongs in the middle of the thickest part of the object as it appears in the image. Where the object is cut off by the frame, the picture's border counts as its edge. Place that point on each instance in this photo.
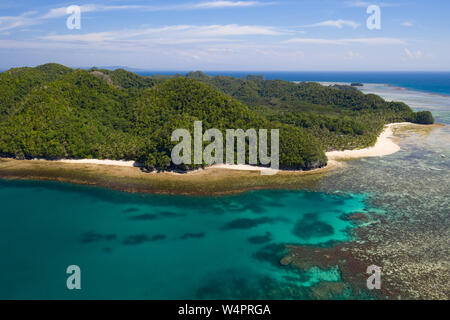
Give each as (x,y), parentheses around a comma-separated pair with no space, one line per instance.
(135,69)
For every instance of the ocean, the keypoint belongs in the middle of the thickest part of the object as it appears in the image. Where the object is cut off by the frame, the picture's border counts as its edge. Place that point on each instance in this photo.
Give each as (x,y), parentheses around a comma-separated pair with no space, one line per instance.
(135,246)
(434,82)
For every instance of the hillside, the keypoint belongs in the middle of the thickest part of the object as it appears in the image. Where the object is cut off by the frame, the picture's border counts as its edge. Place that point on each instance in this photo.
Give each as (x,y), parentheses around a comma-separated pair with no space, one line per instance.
(52,111)
(79,114)
(341,117)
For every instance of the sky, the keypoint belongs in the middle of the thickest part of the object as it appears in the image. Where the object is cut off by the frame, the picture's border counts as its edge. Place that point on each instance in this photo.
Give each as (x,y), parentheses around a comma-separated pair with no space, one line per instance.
(232,35)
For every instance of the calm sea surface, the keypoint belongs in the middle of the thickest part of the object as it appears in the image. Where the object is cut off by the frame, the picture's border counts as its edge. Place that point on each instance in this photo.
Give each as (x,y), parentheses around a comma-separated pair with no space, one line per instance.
(436,82)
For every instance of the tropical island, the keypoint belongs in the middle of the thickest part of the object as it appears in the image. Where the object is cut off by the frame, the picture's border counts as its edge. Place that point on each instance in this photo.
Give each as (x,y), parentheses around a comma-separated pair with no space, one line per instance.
(54,112)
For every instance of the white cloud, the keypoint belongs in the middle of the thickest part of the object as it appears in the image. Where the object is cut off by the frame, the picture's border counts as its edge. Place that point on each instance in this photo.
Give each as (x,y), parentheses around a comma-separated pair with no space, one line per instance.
(30,44)
(407,23)
(229,4)
(60,12)
(352,55)
(336,24)
(233,30)
(413,54)
(12,22)
(365,4)
(88,37)
(349,41)
(170,34)
(32,18)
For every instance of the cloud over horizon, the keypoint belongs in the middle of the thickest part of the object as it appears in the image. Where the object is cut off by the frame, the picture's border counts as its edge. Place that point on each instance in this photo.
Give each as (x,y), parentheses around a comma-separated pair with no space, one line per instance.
(335,23)
(227,34)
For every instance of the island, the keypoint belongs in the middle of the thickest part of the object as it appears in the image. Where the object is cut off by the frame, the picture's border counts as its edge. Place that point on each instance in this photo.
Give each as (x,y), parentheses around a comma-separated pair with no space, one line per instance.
(52,112)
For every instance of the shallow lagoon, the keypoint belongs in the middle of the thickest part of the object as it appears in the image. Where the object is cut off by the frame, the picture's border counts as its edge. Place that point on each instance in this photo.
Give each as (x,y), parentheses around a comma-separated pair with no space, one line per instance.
(161,247)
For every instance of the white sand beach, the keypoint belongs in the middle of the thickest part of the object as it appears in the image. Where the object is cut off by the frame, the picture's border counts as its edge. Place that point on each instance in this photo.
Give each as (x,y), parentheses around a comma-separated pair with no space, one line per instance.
(120,163)
(383,147)
(123,163)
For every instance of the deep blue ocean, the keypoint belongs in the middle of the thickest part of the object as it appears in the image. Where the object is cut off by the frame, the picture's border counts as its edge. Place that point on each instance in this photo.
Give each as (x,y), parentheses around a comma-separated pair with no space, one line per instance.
(435,82)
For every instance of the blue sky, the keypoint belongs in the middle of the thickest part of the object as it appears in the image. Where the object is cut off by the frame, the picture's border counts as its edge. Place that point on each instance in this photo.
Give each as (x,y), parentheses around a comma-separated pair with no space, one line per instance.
(228,35)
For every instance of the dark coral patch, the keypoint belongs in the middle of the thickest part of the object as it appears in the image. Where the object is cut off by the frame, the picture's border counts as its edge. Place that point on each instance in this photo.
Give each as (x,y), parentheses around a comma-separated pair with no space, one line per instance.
(271,253)
(135,240)
(154,216)
(192,235)
(92,236)
(144,217)
(158,237)
(142,238)
(170,214)
(307,229)
(246,223)
(254,208)
(260,239)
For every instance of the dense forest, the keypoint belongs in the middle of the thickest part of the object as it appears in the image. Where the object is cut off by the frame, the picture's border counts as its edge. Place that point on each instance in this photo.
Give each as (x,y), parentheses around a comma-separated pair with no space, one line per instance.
(52,112)
(340,117)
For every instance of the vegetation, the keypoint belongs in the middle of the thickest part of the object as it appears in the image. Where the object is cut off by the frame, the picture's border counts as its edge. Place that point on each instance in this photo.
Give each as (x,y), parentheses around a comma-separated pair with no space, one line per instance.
(52,111)
(339,116)
(423,117)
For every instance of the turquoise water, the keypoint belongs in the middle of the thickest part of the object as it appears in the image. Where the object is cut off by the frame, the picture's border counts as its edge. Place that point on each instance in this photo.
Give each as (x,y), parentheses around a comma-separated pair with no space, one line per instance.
(162,247)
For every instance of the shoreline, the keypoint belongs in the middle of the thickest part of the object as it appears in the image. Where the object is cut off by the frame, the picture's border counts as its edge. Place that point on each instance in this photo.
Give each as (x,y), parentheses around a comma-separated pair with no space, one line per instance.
(211,182)
(384,146)
(216,180)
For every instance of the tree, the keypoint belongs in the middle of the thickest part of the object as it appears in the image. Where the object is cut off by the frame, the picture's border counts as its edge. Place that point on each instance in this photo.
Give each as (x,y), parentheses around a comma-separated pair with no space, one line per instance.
(423,117)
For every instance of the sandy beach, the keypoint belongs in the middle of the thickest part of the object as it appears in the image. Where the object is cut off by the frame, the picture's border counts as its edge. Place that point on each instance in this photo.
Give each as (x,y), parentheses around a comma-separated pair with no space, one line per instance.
(383,147)
(214,180)
(120,163)
(238,167)
(123,163)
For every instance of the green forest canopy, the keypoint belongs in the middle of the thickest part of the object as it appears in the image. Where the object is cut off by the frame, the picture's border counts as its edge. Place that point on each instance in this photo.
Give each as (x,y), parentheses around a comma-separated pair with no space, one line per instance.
(52,112)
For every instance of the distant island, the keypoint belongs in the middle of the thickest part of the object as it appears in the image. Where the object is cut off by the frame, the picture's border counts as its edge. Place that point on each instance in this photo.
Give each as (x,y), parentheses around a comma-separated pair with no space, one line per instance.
(55,112)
